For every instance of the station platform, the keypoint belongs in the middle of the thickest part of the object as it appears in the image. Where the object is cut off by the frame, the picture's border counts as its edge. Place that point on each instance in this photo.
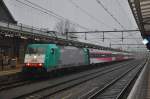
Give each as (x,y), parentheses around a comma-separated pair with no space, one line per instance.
(9,71)
(141,88)
(148,84)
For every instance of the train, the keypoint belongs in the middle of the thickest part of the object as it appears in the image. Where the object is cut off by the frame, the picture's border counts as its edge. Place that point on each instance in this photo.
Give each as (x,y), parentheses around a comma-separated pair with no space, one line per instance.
(48,57)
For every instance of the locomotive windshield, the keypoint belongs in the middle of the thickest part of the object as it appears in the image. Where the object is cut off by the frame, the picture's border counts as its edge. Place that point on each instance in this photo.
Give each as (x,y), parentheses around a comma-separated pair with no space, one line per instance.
(31,50)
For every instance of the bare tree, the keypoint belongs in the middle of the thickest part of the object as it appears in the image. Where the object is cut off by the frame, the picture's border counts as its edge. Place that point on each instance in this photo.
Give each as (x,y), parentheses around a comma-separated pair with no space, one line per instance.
(64,27)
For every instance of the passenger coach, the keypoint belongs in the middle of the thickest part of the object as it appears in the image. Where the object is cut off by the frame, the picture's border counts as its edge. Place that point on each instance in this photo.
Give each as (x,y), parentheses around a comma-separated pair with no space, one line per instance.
(47,57)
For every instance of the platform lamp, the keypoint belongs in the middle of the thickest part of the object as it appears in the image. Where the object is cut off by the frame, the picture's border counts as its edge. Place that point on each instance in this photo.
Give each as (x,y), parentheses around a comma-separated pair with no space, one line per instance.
(145,41)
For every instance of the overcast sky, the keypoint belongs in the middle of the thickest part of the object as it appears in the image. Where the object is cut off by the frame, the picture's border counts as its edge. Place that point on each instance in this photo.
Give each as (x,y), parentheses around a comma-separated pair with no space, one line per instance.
(87,14)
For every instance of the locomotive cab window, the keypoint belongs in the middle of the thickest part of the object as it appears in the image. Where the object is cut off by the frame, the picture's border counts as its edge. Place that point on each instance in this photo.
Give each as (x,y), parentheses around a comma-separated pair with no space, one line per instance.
(32,50)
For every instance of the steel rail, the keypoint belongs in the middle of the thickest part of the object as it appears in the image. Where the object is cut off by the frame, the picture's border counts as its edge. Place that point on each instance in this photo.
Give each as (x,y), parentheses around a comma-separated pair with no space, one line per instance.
(124,93)
(110,84)
(20,81)
(102,77)
(71,83)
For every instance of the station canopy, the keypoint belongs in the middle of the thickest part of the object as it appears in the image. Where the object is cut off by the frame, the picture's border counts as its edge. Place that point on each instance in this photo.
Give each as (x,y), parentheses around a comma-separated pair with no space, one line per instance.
(141,12)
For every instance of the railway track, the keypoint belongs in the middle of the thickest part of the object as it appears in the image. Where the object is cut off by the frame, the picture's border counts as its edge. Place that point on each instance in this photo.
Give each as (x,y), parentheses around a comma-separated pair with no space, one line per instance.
(61,85)
(87,92)
(14,84)
(9,78)
(116,89)
(17,81)
(56,88)
(10,81)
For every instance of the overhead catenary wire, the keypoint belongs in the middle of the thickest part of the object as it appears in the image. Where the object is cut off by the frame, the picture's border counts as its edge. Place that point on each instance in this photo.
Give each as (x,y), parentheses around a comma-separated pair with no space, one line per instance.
(88,14)
(99,2)
(91,16)
(127,17)
(39,8)
(77,6)
(123,10)
(49,12)
(46,11)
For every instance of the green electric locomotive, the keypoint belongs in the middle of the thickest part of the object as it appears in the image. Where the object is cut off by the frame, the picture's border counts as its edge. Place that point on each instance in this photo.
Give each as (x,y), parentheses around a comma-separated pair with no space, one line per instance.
(47,57)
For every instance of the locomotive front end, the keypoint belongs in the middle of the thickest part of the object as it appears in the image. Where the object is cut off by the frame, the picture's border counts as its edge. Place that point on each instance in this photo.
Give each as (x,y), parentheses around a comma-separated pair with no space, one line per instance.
(34,58)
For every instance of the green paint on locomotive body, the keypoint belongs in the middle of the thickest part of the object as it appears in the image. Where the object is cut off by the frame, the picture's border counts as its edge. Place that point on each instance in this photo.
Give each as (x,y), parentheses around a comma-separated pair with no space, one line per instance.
(86,56)
(52,56)
(52,53)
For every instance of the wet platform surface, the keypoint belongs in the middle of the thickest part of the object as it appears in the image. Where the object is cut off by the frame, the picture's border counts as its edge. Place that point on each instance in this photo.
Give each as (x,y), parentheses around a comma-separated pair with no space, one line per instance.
(9,70)
(148,85)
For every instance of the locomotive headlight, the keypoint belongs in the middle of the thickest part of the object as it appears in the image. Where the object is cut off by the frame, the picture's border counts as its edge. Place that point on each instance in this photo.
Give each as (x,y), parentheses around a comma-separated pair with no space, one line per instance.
(35,57)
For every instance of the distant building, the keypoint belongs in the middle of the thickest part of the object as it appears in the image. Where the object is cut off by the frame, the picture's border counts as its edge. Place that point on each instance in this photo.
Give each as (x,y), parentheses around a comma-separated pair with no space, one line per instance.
(5,15)
(6,48)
